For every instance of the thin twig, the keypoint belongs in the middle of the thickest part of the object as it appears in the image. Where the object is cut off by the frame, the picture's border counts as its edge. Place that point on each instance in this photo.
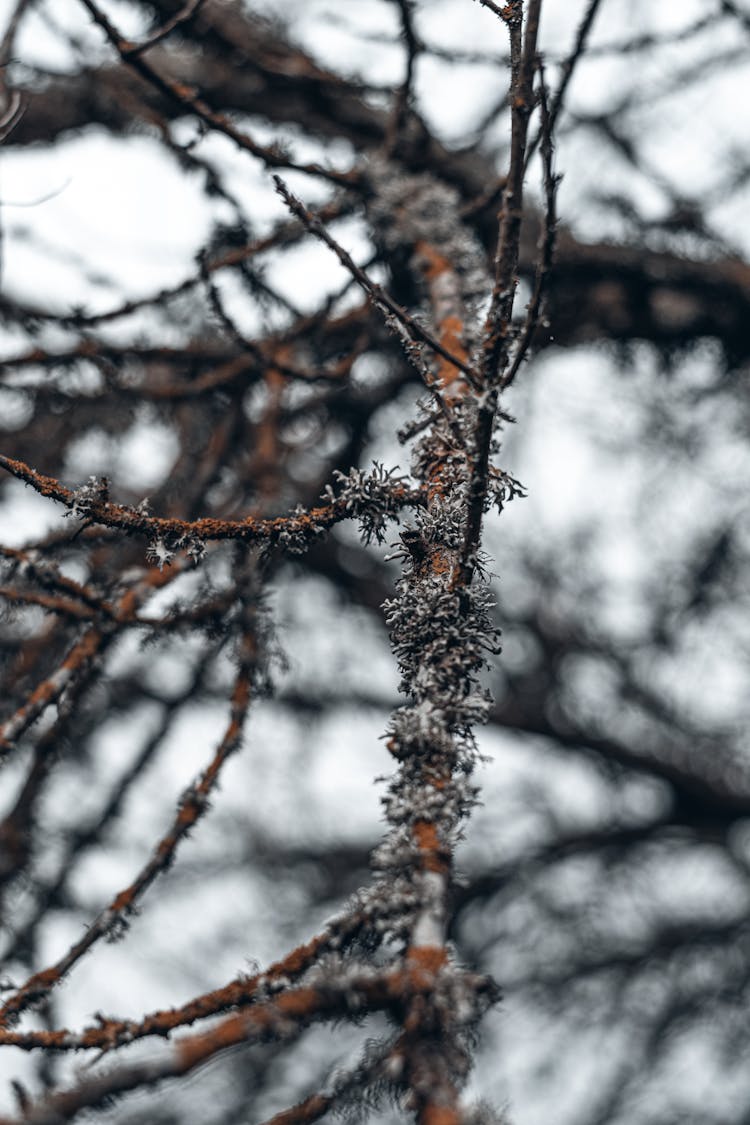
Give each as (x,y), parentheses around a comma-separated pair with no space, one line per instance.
(546,241)
(568,67)
(413,331)
(190,101)
(185,13)
(193,804)
(404,93)
(304,524)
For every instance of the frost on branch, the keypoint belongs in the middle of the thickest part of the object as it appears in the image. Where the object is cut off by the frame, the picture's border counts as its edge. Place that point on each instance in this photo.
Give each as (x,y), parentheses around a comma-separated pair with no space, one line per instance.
(409,801)
(441,634)
(429,214)
(441,638)
(90,495)
(440,618)
(296,533)
(368,495)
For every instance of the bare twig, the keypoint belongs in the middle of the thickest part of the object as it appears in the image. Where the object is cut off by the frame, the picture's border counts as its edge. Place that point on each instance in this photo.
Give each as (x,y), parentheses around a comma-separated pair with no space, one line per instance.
(546,240)
(185,13)
(192,806)
(405,323)
(193,103)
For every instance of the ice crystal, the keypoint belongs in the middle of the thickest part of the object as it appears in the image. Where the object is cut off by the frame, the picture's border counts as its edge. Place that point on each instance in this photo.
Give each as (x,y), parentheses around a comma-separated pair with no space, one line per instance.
(88,497)
(159,553)
(195,548)
(163,548)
